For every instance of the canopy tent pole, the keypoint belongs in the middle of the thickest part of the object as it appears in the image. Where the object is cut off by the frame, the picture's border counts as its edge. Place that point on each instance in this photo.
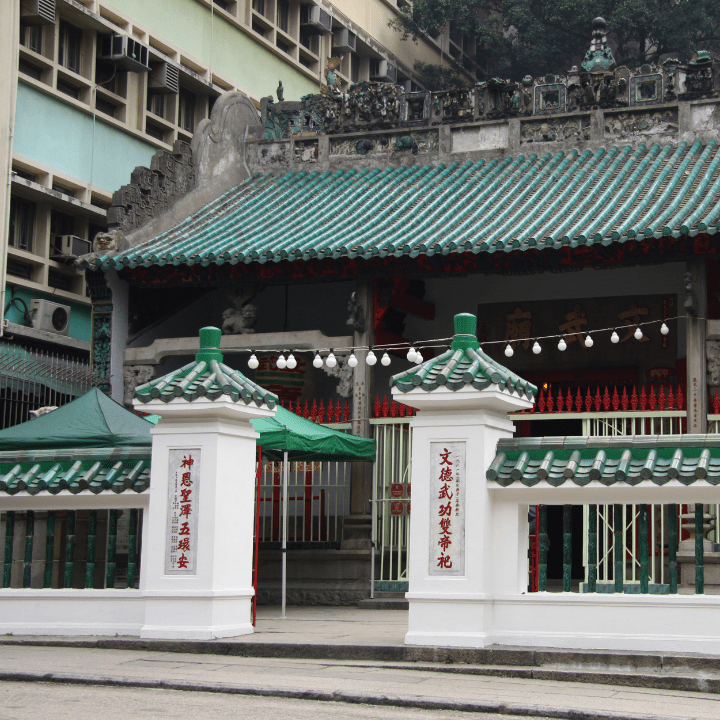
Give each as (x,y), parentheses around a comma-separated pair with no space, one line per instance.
(258,488)
(284,531)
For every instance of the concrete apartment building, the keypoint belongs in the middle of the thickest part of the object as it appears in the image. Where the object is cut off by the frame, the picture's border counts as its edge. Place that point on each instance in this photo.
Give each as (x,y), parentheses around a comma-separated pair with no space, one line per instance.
(93,89)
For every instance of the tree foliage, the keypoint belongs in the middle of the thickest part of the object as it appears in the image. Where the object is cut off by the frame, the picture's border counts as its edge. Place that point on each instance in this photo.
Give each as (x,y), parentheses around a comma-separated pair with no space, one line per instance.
(519,37)
(438,77)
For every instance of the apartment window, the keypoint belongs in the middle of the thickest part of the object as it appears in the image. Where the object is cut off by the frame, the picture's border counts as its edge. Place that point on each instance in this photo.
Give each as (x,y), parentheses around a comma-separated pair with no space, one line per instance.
(22,224)
(63,189)
(155,132)
(283,14)
(27,68)
(19,269)
(156,104)
(31,37)
(106,75)
(105,107)
(25,174)
(259,6)
(68,89)
(61,224)
(223,4)
(70,43)
(60,280)
(186,113)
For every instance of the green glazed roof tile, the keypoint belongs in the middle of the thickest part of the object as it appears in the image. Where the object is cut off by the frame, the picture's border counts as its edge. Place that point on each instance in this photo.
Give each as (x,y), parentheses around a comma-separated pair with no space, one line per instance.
(609,460)
(463,365)
(97,470)
(535,201)
(206,377)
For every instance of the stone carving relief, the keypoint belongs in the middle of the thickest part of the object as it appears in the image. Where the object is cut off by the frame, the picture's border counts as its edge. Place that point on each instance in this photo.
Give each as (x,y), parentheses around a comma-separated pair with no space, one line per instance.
(133,377)
(42,411)
(712,353)
(419,142)
(306,151)
(657,122)
(575,129)
(241,318)
(152,190)
(344,373)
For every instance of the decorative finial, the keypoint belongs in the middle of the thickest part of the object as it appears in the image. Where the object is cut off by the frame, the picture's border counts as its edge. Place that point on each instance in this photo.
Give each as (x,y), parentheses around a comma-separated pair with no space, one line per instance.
(465,332)
(280,91)
(210,345)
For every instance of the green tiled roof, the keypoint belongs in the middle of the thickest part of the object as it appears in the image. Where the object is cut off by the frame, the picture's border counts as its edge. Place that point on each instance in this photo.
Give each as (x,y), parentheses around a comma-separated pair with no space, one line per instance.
(98,470)
(206,377)
(608,460)
(537,200)
(463,364)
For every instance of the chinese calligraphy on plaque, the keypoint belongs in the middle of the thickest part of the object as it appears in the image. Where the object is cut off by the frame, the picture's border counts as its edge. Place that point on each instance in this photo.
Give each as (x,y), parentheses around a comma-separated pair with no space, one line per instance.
(447,509)
(182,535)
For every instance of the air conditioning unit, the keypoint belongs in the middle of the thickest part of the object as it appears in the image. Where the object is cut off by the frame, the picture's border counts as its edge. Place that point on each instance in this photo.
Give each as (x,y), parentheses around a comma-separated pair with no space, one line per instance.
(37,12)
(72,245)
(126,52)
(382,70)
(50,316)
(165,78)
(313,19)
(345,40)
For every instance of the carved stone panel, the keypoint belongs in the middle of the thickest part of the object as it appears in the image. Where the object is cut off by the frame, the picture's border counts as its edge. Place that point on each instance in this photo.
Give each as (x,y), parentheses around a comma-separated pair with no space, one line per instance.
(633,124)
(420,142)
(555,130)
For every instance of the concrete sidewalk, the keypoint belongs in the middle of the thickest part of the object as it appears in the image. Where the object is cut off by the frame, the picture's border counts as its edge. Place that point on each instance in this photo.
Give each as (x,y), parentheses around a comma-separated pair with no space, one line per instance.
(358,655)
(350,681)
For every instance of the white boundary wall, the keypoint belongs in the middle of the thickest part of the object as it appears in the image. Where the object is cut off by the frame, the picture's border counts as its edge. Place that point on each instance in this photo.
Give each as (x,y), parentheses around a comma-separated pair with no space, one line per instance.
(489,604)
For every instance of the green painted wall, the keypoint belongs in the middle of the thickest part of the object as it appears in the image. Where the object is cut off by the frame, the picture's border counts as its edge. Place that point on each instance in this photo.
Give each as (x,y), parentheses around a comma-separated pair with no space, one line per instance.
(220,45)
(80,315)
(60,136)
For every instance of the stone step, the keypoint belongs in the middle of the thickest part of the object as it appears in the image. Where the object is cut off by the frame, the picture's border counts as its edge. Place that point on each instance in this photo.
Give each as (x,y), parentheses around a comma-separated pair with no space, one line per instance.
(396,602)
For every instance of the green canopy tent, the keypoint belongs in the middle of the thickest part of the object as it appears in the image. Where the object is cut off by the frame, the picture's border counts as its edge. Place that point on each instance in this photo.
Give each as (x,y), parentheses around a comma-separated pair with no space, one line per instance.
(303,439)
(91,421)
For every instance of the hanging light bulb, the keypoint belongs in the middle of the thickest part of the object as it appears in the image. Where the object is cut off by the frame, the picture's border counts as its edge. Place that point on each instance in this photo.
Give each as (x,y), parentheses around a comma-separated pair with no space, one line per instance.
(562,345)
(412,354)
(317,361)
(536,348)
(509,352)
(614,338)
(371,358)
(291,362)
(418,357)
(638,333)
(281,362)
(664,329)
(253,362)
(352,360)
(330,360)
(385,359)
(588,341)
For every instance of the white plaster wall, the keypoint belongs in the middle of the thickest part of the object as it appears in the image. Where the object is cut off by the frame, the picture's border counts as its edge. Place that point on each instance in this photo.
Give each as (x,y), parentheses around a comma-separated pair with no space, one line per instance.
(71,612)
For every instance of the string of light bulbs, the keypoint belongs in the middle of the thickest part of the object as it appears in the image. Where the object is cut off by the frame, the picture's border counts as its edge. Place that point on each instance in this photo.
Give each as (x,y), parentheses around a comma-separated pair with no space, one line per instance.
(287,360)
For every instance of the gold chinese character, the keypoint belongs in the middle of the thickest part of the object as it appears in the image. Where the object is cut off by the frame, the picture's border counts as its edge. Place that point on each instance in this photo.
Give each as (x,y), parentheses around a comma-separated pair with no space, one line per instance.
(631,319)
(519,328)
(575,320)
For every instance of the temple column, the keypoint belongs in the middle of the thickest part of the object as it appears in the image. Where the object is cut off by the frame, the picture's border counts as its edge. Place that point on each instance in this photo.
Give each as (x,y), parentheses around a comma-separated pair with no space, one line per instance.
(697,391)
(358,526)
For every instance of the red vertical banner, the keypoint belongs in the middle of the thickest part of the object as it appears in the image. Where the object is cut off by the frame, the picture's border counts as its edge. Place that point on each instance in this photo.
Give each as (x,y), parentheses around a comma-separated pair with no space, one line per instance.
(182,524)
(447,509)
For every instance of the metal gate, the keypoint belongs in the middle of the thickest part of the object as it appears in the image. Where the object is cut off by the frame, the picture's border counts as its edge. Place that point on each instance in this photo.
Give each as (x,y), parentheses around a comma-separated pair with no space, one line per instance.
(31,378)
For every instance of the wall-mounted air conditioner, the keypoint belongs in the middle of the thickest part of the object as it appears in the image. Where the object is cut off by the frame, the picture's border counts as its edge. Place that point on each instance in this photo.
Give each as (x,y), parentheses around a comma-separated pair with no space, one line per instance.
(72,245)
(50,316)
(344,40)
(164,78)
(383,71)
(37,12)
(127,52)
(313,19)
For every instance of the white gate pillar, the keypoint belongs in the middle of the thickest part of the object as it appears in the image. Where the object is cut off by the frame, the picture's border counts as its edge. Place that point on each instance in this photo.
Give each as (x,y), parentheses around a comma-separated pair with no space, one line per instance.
(198,533)
(463,546)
